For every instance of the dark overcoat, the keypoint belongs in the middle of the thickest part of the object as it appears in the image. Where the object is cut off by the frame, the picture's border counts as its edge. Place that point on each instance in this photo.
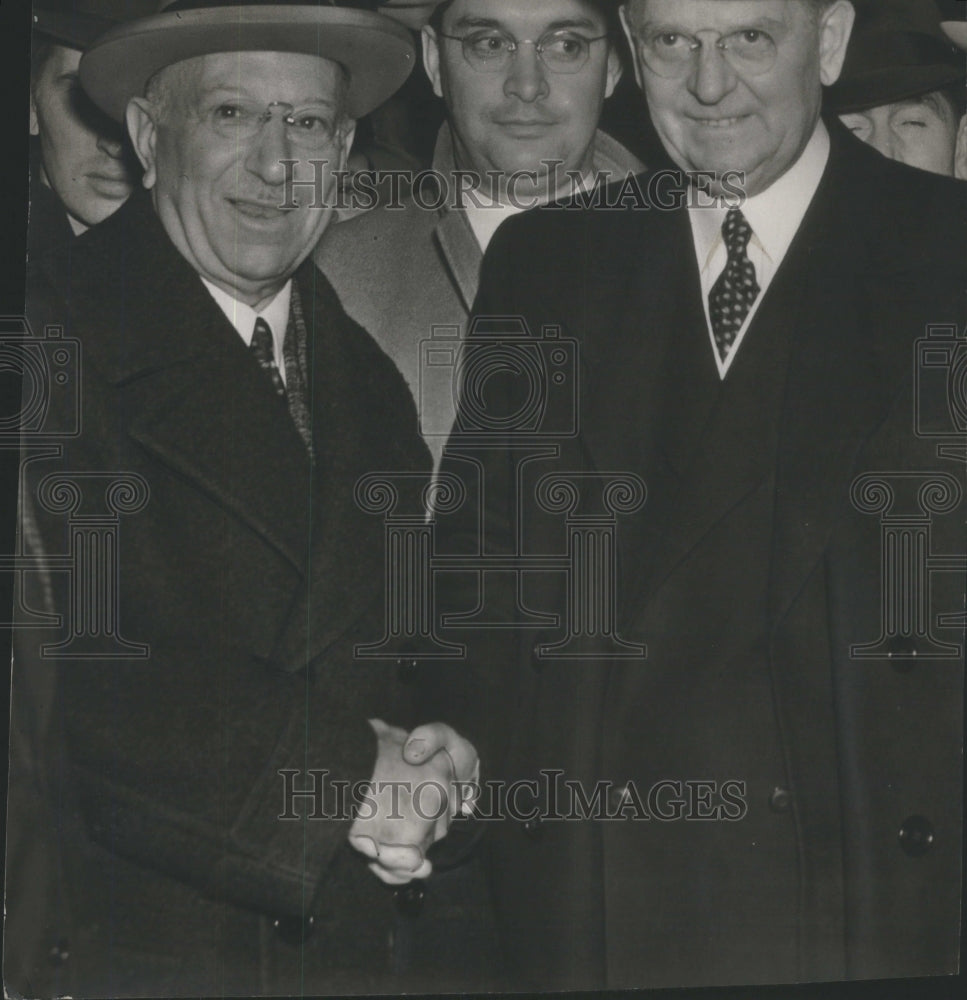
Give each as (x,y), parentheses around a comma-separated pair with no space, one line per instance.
(758,566)
(223,654)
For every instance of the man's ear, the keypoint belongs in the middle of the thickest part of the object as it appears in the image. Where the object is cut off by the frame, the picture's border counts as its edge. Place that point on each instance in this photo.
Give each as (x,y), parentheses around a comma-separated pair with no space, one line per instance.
(960,152)
(614,71)
(835,28)
(632,44)
(140,119)
(431,58)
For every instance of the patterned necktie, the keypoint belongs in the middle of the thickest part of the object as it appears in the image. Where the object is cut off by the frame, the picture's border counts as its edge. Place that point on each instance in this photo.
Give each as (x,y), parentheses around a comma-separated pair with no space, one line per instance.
(262,348)
(295,357)
(736,289)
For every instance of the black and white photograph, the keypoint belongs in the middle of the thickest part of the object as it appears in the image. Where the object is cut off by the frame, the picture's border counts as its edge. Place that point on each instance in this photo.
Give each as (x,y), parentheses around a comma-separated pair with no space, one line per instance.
(488,498)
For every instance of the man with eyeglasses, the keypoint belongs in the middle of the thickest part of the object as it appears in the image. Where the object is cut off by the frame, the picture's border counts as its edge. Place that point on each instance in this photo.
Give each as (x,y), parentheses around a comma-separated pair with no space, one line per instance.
(196,691)
(523,82)
(770,790)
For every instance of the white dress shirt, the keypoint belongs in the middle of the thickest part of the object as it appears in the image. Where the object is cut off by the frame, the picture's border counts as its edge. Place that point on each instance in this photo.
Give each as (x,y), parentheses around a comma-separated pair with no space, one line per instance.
(243,317)
(774,215)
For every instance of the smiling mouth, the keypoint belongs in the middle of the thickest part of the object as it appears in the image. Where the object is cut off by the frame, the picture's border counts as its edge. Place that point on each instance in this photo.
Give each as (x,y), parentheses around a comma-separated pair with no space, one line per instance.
(718,123)
(258,209)
(524,123)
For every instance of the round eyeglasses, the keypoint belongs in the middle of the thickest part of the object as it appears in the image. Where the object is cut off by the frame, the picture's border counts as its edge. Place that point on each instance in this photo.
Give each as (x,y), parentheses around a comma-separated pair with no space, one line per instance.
(673,54)
(489,50)
(310,128)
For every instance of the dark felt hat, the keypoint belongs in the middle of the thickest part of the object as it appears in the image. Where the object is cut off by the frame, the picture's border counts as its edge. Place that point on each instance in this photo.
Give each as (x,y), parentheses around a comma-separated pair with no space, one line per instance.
(377,52)
(897,51)
(76,23)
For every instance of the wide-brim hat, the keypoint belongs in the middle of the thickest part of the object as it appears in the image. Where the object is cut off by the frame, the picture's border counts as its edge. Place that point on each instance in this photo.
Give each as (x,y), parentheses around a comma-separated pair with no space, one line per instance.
(956,31)
(413,13)
(76,23)
(897,52)
(377,53)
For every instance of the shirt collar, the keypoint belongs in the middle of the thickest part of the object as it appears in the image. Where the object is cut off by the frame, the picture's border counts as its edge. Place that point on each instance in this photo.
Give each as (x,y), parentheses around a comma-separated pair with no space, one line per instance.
(774,214)
(243,316)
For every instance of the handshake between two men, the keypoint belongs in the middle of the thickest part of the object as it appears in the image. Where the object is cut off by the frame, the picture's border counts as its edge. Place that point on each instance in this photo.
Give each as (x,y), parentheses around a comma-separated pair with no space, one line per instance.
(421,781)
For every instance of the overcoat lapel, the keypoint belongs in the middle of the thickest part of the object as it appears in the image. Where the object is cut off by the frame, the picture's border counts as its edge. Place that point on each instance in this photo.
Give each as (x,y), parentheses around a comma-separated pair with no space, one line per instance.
(190,393)
(461,254)
(344,569)
(836,395)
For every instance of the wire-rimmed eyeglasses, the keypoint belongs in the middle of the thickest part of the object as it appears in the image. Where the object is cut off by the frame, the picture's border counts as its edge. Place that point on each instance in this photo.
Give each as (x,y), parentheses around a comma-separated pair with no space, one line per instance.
(673,54)
(311,128)
(489,50)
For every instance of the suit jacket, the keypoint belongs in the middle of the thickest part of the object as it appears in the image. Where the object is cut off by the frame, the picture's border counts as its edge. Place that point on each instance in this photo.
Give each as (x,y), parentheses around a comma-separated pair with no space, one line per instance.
(403,272)
(246,576)
(845,860)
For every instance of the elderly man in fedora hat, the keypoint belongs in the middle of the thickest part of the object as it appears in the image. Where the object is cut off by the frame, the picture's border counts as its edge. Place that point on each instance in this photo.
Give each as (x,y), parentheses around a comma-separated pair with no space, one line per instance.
(218,395)
(82,169)
(902,89)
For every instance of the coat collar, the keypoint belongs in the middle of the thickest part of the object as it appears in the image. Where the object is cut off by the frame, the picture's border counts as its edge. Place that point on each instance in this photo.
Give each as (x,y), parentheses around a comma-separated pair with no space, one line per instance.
(189,393)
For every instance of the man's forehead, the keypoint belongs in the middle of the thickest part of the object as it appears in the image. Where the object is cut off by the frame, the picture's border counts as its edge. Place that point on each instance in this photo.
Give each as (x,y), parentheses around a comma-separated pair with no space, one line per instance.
(532,13)
(295,77)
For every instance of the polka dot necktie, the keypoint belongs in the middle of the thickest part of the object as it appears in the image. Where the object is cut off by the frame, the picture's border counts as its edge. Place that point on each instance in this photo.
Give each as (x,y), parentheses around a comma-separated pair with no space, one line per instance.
(264,352)
(736,289)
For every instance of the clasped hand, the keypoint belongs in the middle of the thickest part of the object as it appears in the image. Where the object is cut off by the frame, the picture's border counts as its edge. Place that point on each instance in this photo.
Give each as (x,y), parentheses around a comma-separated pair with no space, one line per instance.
(421,781)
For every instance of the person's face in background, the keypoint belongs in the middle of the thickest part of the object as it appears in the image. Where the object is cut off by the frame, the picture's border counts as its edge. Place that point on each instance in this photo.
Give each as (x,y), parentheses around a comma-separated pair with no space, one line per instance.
(750,107)
(921,132)
(84,158)
(514,119)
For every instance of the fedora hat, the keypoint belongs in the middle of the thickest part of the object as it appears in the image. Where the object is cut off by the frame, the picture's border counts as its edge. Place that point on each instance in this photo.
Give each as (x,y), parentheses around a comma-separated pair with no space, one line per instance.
(956,31)
(376,52)
(413,13)
(76,23)
(897,51)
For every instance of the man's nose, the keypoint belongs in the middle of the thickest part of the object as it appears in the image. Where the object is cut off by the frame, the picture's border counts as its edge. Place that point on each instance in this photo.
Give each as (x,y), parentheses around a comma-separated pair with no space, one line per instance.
(712,77)
(882,139)
(526,75)
(269,147)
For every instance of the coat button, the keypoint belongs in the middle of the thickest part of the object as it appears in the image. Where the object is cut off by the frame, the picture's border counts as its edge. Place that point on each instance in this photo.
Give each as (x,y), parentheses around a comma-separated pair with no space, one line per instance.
(409,898)
(916,836)
(407,665)
(902,653)
(533,828)
(780,800)
(537,663)
(618,797)
(59,953)
(294,931)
